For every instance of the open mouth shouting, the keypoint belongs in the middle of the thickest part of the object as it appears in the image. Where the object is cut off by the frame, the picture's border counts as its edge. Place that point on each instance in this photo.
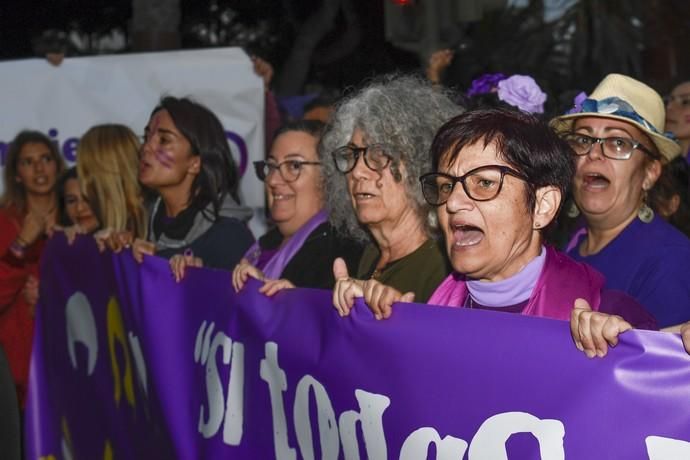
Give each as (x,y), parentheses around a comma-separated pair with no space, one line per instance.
(595,181)
(465,235)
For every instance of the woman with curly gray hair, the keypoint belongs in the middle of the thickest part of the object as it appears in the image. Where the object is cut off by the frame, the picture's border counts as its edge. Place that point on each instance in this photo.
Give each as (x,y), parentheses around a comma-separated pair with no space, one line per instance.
(376,147)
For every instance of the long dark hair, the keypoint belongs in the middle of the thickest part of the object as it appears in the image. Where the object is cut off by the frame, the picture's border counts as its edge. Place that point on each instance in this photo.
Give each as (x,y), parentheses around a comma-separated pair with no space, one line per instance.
(15,194)
(218,176)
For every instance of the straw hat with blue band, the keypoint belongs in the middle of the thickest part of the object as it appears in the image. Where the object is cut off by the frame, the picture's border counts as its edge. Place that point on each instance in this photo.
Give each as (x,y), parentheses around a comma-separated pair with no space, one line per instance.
(623,98)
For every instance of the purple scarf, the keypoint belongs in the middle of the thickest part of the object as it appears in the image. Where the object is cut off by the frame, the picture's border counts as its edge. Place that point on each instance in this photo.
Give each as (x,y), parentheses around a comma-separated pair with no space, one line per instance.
(561,281)
(510,291)
(276,264)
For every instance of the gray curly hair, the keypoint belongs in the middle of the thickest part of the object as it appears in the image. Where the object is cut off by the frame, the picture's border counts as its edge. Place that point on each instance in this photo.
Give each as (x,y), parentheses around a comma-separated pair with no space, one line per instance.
(403,113)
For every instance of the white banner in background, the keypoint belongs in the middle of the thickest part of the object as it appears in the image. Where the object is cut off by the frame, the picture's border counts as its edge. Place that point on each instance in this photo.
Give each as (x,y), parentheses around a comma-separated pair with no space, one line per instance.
(65,101)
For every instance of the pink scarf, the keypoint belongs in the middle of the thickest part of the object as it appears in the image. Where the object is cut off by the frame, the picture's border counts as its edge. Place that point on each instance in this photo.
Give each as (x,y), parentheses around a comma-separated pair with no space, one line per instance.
(561,281)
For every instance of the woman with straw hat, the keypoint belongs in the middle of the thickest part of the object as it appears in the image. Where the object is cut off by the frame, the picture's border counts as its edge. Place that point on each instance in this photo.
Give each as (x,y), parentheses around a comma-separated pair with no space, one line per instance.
(616,135)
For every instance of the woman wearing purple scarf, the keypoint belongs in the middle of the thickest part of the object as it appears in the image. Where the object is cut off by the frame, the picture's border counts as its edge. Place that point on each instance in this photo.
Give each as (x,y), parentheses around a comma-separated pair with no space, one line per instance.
(300,249)
(499,182)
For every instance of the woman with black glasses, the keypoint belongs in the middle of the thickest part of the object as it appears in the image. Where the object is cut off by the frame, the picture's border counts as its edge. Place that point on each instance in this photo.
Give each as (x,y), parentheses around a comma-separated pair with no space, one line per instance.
(299,250)
(620,149)
(376,147)
(499,182)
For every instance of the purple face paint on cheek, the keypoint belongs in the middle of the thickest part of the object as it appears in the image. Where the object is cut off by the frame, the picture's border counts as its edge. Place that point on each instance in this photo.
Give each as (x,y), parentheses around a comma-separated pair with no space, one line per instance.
(164,158)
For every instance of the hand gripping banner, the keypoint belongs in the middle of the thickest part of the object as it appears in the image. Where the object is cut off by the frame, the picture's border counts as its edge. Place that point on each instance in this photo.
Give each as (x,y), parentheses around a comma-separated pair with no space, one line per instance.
(128,363)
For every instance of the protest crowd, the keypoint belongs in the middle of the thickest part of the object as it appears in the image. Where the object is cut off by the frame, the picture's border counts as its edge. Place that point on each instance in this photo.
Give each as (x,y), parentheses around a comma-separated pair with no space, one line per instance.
(402,190)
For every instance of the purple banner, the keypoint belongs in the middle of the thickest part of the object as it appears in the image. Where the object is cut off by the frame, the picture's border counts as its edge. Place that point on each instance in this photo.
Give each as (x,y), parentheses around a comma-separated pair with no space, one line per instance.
(129,364)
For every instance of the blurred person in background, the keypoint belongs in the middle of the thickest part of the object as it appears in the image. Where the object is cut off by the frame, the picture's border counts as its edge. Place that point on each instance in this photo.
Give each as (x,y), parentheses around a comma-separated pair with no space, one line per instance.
(73,207)
(678,115)
(107,159)
(28,210)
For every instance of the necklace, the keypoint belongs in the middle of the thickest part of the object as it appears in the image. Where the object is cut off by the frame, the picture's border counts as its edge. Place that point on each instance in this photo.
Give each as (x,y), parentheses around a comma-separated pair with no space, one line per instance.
(376,273)
(469,301)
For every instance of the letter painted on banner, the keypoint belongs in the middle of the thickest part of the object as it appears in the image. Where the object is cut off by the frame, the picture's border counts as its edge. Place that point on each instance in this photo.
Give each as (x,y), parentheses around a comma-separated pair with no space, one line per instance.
(328,429)
(489,442)
(220,409)
(370,418)
(272,374)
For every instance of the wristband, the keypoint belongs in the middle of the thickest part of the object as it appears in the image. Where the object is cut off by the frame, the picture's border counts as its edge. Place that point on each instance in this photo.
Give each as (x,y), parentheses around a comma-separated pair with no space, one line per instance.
(17,250)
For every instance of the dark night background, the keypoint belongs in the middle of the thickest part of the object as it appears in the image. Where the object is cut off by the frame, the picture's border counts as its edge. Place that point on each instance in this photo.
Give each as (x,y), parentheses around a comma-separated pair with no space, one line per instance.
(589,38)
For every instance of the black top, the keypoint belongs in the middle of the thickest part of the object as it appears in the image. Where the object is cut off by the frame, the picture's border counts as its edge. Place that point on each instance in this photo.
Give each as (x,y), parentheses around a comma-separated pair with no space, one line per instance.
(221,246)
(312,265)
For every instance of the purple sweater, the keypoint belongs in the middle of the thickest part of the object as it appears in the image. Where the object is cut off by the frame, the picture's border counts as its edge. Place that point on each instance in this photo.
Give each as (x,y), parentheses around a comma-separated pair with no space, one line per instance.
(650,262)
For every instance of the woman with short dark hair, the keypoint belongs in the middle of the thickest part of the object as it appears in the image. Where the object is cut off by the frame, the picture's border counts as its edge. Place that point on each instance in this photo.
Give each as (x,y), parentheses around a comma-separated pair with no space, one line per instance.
(500,176)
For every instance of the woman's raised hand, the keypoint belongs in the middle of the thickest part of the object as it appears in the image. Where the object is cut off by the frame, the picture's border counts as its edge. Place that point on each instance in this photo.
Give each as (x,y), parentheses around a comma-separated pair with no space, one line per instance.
(272,287)
(179,263)
(244,270)
(593,331)
(685,335)
(141,248)
(36,223)
(378,296)
(345,289)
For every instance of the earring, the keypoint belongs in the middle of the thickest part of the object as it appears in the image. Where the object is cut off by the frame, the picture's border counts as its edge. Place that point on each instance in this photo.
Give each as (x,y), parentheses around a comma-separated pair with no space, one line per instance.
(573,210)
(645,213)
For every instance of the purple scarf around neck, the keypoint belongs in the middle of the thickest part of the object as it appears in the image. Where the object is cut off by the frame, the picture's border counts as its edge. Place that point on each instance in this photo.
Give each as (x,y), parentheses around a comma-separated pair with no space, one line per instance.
(510,291)
(561,281)
(276,264)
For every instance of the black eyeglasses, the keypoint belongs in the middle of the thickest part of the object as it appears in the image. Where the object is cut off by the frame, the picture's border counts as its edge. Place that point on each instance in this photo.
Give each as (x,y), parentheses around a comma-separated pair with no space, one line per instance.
(480,184)
(289,169)
(375,157)
(616,148)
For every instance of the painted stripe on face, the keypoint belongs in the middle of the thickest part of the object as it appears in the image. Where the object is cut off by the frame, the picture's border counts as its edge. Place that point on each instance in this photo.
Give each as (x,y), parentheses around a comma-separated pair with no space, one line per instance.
(164,158)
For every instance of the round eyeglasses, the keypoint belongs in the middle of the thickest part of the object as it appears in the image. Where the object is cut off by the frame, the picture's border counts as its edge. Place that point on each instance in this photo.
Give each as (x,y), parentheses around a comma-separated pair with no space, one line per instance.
(616,148)
(480,184)
(289,169)
(375,157)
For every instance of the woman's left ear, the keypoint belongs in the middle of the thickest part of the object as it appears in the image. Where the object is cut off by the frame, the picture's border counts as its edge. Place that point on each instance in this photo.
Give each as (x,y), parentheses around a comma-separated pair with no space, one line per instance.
(548,200)
(651,174)
(195,165)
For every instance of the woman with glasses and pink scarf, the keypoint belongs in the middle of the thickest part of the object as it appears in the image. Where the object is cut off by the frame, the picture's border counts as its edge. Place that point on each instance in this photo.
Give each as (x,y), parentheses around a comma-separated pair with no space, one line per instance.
(497,184)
